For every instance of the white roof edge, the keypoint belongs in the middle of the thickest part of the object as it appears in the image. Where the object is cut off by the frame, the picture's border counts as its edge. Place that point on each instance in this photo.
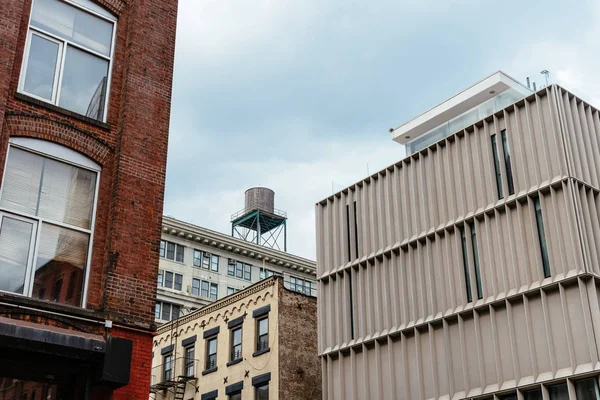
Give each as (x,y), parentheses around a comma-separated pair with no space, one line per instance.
(455,100)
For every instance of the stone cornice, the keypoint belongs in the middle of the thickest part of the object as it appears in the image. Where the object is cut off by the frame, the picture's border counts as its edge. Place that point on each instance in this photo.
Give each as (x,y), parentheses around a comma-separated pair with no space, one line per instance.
(207,237)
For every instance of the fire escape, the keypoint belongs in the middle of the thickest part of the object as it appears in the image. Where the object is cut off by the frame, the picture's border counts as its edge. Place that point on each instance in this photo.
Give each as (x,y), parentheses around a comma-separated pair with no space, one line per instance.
(173,377)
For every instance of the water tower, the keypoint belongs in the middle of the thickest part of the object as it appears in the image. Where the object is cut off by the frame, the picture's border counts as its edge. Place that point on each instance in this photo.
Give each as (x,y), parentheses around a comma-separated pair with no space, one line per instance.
(260,222)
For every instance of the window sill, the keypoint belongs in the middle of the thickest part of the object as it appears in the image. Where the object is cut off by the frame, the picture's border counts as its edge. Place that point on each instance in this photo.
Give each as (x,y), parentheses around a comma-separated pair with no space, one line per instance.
(64,111)
(209,371)
(230,363)
(261,352)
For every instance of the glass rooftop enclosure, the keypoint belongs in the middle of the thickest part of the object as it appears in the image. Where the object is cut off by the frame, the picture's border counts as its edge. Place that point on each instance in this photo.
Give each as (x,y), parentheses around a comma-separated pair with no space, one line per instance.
(473,104)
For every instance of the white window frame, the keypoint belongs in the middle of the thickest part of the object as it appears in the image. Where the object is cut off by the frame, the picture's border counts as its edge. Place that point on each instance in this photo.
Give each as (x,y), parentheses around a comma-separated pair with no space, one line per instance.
(68,156)
(60,62)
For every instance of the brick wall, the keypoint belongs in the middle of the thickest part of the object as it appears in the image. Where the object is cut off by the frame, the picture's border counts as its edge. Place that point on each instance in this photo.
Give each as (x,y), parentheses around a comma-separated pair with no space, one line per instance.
(299,364)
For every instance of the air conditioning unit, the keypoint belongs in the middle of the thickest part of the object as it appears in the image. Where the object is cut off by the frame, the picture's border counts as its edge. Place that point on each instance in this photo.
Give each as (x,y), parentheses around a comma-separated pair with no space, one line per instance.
(231,261)
(189,289)
(207,254)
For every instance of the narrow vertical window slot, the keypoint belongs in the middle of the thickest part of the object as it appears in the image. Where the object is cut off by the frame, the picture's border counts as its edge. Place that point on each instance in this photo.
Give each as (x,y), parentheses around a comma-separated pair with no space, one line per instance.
(463,241)
(351,295)
(542,237)
(476,260)
(497,167)
(348,233)
(355,230)
(507,164)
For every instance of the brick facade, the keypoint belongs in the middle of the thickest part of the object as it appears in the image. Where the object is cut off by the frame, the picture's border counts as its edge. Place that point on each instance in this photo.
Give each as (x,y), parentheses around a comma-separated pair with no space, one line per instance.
(131,148)
(299,365)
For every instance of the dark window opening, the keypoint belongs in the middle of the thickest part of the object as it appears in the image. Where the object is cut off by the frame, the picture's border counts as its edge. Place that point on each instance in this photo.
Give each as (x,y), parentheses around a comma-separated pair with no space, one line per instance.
(507,164)
(476,260)
(463,241)
(497,167)
(542,237)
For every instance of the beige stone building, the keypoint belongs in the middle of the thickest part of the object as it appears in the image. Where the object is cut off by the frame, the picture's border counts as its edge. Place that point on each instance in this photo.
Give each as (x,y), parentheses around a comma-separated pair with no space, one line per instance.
(471,268)
(259,343)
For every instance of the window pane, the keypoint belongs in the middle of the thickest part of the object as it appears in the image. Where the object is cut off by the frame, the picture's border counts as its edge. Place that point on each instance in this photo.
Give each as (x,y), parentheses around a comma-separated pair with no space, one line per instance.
(230,291)
(239,270)
(169,280)
(83,87)
(157,311)
(41,67)
(166,311)
(160,277)
(22,181)
(263,326)
(214,264)
(535,394)
(61,252)
(262,392)
(15,240)
(67,193)
(231,269)
(587,389)
(235,396)
(73,24)
(170,251)
(197,258)
(162,248)
(558,392)
(212,346)
(178,281)
(204,289)
(247,272)
(542,237)
(237,336)
(174,311)
(213,291)
(179,256)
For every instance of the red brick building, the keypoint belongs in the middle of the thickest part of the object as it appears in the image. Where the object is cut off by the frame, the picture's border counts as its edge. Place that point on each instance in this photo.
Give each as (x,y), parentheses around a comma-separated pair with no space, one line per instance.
(85,91)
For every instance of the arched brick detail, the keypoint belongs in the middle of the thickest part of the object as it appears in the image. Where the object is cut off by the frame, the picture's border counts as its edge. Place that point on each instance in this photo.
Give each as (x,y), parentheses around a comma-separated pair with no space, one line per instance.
(41,127)
(114,6)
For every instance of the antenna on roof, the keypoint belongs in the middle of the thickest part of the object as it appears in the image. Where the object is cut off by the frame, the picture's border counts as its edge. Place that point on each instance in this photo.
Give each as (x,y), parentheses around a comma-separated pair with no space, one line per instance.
(546,73)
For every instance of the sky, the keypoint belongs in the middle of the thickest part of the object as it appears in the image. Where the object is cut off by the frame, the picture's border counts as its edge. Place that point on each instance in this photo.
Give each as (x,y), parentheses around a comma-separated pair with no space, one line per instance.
(299,95)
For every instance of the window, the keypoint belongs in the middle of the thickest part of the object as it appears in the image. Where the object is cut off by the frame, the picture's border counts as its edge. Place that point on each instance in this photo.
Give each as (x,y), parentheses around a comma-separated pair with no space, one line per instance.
(265,273)
(587,389)
(476,260)
(47,209)
(168,279)
(68,55)
(236,344)
(178,281)
(507,164)
(542,237)
(262,392)
(211,353)
(205,289)
(559,392)
(160,277)
(197,258)
(262,329)
(497,167)
(166,311)
(463,241)
(214,263)
(168,367)
(300,285)
(235,396)
(239,270)
(206,261)
(189,361)
(173,251)
(214,291)
(196,287)
(511,396)
(534,394)
(247,272)
(231,290)
(231,267)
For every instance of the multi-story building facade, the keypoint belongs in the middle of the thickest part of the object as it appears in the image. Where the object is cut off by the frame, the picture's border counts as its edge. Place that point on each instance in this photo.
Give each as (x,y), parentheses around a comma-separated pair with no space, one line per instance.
(198,266)
(257,344)
(470,269)
(85,88)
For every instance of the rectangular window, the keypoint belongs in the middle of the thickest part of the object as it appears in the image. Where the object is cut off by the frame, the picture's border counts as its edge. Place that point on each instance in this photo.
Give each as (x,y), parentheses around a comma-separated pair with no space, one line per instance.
(300,285)
(68,57)
(189,361)
(175,309)
(231,267)
(507,164)
(351,302)
(196,287)
(205,286)
(348,233)
(230,291)
(355,230)
(179,255)
(160,277)
(534,394)
(214,263)
(173,251)
(163,245)
(235,396)
(197,258)
(587,389)
(265,273)
(559,392)
(476,260)
(214,291)
(168,279)
(170,251)
(511,396)
(262,329)
(262,392)
(178,281)
(239,270)
(497,167)
(166,312)
(247,272)
(292,283)
(307,288)
(542,237)
(157,311)
(206,260)
(46,217)
(463,241)
(168,368)
(236,344)
(211,353)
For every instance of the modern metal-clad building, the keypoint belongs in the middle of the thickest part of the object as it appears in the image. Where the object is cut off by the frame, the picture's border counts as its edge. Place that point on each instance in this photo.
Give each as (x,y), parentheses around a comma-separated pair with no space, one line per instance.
(470,268)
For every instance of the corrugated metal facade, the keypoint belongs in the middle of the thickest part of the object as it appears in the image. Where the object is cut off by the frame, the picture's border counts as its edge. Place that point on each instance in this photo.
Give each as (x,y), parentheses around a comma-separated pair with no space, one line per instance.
(400,253)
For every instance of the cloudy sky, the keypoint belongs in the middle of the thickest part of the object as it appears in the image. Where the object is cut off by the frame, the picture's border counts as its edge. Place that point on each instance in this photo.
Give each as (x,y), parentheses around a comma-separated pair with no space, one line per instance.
(298,95)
